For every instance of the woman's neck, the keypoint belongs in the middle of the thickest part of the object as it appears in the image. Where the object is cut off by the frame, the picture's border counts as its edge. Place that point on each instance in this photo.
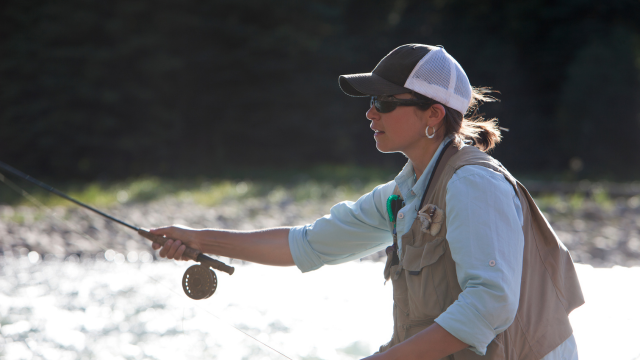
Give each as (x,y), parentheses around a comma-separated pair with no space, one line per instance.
(422,155)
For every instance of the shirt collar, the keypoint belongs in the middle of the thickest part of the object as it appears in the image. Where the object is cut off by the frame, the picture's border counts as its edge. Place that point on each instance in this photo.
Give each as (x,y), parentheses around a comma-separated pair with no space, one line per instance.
(405,179)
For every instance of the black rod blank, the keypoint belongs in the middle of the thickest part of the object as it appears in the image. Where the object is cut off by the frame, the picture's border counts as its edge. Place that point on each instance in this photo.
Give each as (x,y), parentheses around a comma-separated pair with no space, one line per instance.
(195,254)
(24,176)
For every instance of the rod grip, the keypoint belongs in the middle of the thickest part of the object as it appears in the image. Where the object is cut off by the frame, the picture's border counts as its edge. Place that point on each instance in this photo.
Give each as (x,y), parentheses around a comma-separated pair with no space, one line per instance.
(161,239)
(190,253)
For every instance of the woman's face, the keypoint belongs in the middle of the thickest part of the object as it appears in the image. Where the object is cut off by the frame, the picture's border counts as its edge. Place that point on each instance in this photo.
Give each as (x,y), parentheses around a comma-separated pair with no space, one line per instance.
(399,130)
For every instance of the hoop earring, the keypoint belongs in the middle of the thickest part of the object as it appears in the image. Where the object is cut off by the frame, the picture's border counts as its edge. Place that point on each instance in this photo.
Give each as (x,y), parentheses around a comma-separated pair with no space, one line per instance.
(427,133)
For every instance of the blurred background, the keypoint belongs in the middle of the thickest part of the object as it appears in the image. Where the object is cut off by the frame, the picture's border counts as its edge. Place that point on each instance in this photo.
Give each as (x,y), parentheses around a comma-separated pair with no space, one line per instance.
(109,90)
(228,114)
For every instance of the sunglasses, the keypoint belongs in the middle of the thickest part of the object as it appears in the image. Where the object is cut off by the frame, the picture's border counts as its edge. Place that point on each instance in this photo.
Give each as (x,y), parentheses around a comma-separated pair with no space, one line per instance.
(388,104)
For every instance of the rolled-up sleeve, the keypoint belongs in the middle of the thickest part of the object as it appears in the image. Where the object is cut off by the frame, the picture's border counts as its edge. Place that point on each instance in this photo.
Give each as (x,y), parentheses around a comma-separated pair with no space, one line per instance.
(350,231)
(484,232)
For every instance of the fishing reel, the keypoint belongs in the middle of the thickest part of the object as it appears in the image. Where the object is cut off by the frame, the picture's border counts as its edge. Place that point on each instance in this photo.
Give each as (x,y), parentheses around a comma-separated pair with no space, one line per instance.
(199,282)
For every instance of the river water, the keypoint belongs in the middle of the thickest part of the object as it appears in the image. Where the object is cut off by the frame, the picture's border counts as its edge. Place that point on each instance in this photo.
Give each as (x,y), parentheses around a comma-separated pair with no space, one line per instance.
(128,309)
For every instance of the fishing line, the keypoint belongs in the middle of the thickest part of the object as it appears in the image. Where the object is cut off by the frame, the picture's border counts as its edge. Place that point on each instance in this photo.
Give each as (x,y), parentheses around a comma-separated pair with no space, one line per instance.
(51,213)
(214,315)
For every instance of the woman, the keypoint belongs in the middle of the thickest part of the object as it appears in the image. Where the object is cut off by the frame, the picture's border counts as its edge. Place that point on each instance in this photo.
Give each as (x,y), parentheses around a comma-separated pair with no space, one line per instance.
(475,267)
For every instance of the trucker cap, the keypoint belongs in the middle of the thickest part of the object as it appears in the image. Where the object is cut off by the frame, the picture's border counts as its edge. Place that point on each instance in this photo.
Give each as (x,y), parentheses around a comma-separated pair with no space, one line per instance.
(425,69)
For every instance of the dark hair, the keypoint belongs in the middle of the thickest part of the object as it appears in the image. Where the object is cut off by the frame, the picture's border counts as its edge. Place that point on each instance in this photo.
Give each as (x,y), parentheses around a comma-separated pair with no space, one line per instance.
(485,134)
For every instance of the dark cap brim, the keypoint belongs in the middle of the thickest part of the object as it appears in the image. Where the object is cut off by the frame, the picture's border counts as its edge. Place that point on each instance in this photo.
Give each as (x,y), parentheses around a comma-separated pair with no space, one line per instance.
(369,84)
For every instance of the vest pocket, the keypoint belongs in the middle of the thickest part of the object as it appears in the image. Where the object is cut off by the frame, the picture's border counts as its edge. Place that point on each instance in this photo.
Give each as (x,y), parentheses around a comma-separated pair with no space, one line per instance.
(400,297)
(426,279)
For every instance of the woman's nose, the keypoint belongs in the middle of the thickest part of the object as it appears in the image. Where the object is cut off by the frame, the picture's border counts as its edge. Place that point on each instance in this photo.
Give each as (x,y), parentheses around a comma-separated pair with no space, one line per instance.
(372,113)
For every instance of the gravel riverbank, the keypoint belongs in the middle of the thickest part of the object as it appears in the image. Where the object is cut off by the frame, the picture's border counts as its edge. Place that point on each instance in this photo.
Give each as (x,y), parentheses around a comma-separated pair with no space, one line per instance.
(598,232)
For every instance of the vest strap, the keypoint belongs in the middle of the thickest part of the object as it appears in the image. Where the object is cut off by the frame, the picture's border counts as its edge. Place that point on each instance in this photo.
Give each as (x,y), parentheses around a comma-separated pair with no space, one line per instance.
(447,153)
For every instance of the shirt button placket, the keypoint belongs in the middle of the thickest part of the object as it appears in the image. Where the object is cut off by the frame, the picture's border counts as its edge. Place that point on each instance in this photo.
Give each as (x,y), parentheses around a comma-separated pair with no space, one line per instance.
(400,225)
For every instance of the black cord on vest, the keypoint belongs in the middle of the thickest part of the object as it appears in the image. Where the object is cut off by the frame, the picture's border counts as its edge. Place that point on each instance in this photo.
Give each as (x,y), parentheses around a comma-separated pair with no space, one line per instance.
(433,172)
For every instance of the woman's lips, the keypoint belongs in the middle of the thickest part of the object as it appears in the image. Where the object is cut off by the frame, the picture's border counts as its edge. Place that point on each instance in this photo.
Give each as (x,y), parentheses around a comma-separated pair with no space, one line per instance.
(378,133)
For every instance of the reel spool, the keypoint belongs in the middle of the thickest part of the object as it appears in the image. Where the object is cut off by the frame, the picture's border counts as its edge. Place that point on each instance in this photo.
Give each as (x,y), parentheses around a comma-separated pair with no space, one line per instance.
(199,282)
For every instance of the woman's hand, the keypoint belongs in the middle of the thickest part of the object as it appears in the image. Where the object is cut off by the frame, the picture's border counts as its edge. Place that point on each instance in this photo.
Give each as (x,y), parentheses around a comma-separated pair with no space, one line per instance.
(179,238)
(268,246)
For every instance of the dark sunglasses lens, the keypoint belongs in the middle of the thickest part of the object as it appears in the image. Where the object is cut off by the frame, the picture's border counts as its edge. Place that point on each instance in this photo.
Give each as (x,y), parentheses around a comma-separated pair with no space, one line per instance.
(384,106)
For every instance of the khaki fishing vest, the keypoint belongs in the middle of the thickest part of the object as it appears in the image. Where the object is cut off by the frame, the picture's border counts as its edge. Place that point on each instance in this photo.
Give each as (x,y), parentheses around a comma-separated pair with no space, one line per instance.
(425,282)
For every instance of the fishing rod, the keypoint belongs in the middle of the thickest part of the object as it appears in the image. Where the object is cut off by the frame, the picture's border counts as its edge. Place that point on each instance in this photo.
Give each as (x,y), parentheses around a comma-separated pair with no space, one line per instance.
(198,282)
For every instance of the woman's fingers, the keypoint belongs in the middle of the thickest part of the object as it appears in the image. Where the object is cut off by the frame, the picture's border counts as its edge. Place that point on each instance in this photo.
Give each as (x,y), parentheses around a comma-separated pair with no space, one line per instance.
(178,238)
(173,249)
(180,252)
(165,248)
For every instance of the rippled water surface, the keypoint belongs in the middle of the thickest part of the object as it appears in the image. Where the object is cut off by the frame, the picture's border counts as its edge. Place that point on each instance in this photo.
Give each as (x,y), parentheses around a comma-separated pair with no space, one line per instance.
(99,309)
(109,310)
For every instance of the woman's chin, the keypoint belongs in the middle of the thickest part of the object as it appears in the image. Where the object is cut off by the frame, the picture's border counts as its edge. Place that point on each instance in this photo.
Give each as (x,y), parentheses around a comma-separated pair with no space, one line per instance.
(382,148)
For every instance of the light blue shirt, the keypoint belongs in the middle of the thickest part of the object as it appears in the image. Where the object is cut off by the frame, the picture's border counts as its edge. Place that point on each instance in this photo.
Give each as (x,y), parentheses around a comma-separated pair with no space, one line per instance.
(484,231)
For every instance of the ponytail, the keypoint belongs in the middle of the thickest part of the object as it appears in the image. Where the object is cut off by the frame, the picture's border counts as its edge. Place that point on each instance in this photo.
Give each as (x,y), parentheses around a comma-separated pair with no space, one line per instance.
(484,134)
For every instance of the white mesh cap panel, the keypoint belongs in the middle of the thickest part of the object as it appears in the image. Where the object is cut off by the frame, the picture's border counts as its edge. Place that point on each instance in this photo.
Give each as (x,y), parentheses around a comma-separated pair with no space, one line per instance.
(436,71)
(440,77)
(463,88)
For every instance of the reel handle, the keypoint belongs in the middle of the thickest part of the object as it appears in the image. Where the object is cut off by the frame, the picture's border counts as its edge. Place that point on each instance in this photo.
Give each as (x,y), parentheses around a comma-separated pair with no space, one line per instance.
(218,265)
(190,253)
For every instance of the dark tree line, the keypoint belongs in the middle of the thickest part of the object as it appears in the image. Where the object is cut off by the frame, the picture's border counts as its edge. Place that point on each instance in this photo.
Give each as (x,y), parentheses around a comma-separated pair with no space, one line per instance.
(110,89)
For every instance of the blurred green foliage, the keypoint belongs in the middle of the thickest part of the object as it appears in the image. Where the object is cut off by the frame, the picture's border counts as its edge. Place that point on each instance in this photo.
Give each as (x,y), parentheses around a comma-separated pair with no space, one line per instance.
(113,90)
(292,185)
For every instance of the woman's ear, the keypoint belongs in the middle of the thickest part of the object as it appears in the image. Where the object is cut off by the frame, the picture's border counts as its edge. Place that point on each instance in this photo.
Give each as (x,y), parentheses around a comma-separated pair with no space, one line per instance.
(435,114)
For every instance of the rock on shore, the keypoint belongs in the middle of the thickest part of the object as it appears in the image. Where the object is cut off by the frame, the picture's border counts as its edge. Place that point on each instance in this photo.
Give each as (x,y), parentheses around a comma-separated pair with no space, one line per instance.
(596,234)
